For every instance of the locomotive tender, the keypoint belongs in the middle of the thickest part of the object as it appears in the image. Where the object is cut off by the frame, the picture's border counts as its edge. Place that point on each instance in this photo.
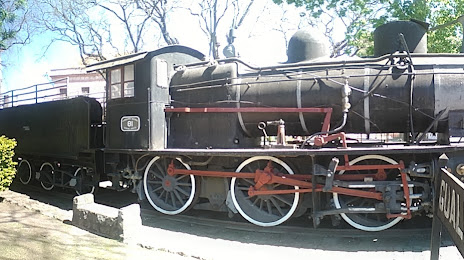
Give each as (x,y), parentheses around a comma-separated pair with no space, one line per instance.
(269,143)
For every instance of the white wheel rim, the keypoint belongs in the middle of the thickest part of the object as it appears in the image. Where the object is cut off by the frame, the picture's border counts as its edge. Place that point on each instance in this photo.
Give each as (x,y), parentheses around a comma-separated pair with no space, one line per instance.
(30,172)
(350,221)
(75,174)
(153,204)
(53,168)
(242,212)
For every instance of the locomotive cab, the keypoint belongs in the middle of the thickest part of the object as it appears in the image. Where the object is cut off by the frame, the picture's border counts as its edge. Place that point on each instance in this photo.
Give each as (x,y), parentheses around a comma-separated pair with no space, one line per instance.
(137,93)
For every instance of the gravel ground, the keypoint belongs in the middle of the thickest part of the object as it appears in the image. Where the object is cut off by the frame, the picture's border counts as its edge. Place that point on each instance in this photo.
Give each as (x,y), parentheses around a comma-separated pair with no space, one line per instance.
(32,229)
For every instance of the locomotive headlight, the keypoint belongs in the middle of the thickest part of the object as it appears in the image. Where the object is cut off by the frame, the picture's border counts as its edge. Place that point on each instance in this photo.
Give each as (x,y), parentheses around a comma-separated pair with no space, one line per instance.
(460,169)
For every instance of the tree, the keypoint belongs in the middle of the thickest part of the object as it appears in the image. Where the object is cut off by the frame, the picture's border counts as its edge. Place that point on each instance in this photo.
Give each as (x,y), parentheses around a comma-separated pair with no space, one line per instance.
(211,13)
(158,11)
(70,22)
(360,17)
(15,27)
(13,18)
(100,29)
(131,19)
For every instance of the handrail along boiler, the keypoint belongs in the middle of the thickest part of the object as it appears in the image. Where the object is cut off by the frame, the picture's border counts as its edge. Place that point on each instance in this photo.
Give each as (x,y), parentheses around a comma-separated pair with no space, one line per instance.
(354,138)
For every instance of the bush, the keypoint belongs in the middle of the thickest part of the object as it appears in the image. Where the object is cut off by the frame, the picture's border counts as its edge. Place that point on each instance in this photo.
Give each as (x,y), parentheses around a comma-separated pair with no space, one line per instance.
(7,165)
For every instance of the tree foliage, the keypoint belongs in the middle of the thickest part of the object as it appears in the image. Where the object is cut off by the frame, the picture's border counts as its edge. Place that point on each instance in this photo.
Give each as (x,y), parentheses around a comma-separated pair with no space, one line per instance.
(7,165)
(358,18)
(12,21)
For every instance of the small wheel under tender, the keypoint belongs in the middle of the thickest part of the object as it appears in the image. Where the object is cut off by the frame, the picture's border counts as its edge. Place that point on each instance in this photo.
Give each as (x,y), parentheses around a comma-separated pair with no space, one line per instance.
(170,195)
(263,210)
(46,176)
(84,183)
(24,172)
(367,221)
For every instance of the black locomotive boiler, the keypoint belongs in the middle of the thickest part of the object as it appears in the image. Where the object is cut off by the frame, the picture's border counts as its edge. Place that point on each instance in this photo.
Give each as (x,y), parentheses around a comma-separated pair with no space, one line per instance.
(357,138)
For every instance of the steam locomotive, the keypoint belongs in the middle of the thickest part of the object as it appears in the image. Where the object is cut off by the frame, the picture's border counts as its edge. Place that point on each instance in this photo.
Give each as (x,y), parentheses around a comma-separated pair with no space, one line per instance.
(356,138)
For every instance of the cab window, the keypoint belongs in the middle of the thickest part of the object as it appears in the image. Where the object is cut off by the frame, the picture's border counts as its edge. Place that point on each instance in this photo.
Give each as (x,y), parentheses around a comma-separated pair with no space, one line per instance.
(121,82)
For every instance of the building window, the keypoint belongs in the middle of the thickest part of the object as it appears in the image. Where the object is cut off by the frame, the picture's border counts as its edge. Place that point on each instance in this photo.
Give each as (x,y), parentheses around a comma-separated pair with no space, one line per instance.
(121,82)
(85,91)
(63,93)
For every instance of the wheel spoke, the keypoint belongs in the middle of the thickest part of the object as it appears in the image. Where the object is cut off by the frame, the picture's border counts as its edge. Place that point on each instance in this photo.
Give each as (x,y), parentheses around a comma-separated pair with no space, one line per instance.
(173,199)
(160,173)
(181,177)
(155,175)
(182,191)
(283,200)
(179,198)
(276,205)
(157,189)
(250,170)
(162,193)
(269,207)
(184,184)
(155,182)
(255,201)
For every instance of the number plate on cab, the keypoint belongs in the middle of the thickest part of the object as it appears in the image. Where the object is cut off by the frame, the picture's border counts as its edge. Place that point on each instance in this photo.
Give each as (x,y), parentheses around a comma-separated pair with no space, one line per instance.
(130,123)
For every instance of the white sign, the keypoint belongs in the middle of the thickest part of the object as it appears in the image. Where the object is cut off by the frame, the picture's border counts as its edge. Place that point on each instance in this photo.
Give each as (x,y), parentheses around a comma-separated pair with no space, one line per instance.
(130,123)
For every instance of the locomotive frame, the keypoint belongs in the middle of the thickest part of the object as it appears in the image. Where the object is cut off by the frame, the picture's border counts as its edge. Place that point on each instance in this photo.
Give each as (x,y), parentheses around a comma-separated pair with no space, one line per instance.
(224,135)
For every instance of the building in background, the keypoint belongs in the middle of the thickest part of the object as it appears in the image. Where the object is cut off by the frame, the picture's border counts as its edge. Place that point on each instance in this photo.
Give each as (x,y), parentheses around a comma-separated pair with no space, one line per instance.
(73,82)
(64,83)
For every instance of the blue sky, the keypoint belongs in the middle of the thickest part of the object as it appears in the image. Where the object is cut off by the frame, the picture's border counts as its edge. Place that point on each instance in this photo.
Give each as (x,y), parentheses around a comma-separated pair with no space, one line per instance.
(27,65)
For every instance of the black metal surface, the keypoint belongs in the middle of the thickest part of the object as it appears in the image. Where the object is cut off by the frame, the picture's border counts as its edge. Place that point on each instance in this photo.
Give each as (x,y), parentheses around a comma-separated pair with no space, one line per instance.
(307,45)
(206,131)
(148,102)
(380,98)
(386,37)
(55,129)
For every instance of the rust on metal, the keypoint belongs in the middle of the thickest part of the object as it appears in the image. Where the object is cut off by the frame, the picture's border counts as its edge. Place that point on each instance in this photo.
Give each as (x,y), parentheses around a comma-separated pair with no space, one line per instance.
(264,177)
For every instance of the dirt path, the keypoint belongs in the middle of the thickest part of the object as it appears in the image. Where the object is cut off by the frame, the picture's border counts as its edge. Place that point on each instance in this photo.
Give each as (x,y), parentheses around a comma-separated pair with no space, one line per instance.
(27,234)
